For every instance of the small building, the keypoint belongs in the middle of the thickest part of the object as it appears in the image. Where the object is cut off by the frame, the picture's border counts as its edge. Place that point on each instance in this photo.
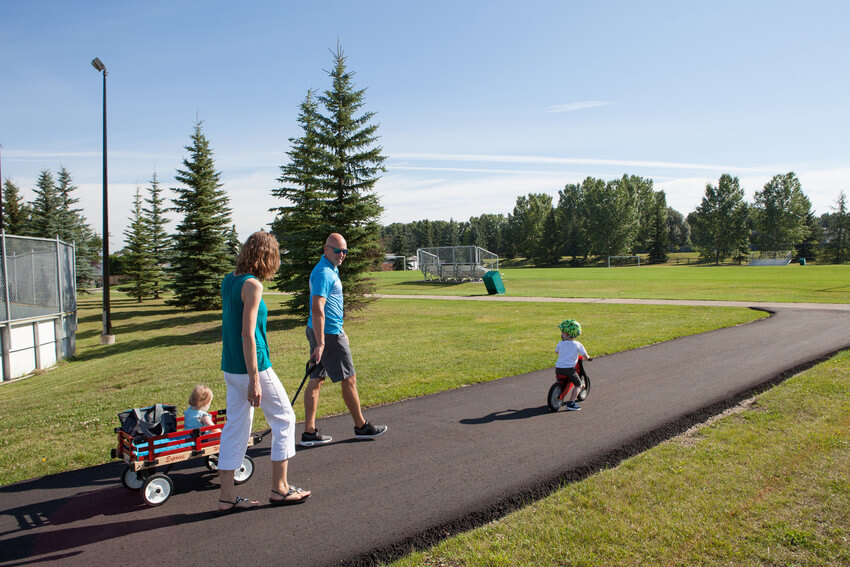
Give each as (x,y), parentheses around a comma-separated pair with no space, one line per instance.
(38,308)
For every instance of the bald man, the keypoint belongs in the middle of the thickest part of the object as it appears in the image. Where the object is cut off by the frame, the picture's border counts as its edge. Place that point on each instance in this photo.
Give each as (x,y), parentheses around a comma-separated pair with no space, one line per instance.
(329,345)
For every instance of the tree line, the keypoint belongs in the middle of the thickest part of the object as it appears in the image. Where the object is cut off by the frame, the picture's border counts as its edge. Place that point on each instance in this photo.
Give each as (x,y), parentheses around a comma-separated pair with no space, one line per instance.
(596,218)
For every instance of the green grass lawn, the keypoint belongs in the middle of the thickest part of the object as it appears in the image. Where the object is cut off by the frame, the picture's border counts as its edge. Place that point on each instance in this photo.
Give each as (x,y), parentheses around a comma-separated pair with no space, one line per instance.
(767,486)
(64,418)
(792,283)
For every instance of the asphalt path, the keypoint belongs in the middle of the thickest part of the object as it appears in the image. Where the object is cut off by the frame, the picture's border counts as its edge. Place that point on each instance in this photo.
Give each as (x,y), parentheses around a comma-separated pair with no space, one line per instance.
(449,460)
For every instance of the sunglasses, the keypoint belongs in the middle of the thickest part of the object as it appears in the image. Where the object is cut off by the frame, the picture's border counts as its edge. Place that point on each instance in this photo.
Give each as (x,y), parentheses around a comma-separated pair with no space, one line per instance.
(338,250)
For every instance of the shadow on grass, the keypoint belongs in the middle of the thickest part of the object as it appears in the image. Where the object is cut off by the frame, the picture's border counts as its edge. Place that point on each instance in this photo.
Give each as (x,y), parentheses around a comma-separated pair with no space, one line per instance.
(428,283)
(171,324)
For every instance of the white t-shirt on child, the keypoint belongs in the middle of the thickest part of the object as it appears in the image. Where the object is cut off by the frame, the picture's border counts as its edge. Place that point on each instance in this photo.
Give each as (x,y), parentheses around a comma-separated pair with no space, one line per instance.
(568,352)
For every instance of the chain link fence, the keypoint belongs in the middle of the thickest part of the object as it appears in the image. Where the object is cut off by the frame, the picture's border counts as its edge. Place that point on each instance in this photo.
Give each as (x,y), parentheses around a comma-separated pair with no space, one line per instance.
(39,303)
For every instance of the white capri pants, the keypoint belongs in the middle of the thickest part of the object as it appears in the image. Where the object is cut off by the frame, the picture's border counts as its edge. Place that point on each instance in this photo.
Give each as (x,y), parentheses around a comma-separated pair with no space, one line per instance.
(240,418)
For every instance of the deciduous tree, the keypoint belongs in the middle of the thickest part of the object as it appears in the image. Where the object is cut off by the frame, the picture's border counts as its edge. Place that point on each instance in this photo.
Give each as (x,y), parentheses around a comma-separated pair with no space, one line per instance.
(658,235)
(525,223)
(719,225)
(779,214)
(609,217)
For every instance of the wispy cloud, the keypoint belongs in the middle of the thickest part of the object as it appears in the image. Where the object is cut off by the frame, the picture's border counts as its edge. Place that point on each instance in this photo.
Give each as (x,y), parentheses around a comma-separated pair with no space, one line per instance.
(581,105)
(31,155)
(492,158)
(480,170)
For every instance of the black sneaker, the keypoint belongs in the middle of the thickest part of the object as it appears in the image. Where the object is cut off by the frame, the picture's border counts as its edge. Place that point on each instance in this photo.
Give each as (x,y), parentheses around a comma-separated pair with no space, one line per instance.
(315,438)
(572,406)
(368,431)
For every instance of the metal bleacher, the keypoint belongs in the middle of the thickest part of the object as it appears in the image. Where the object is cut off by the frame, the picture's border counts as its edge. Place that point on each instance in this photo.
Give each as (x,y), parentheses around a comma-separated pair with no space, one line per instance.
(456,263)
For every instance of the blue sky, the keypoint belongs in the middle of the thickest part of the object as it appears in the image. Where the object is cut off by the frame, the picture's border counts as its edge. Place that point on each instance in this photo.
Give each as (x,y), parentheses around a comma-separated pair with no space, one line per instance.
(478,102)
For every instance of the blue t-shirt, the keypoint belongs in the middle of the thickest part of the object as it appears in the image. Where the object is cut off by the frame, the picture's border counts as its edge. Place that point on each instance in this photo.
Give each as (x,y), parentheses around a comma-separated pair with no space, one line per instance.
(192,418)
(232,358)
(325,282)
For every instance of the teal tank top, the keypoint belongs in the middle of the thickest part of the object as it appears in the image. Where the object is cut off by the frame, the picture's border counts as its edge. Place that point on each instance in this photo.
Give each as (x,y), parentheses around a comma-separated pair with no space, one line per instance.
(232,358)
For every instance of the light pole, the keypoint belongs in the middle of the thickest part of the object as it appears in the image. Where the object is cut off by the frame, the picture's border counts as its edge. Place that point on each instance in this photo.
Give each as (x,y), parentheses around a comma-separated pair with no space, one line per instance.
(107,338)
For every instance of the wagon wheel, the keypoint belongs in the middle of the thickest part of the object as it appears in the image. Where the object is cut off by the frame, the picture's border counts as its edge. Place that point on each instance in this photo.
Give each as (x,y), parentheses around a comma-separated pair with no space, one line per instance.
(212,462)
(132,480)
(156,489)
(244,472)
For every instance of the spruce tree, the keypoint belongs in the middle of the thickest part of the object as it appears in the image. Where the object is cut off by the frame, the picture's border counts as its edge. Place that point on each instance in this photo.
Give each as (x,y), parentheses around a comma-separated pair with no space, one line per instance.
(354,163)
(139,263)
(200,258)
(838,231)
(46,208)
(233,243)
(15,213)
(808,248)
(299,224)
(160,240)
(73,227)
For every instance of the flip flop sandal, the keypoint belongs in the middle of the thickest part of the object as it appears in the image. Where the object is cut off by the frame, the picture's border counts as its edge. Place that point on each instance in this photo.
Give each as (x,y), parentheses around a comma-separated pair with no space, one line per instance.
(234,505)
(284,502)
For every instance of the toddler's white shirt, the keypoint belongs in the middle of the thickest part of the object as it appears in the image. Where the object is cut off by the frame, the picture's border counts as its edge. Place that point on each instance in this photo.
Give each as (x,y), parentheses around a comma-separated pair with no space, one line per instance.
(568,352)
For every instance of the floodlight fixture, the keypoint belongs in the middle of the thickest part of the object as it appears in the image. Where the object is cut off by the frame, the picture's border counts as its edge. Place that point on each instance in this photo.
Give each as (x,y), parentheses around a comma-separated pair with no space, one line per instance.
(107,338)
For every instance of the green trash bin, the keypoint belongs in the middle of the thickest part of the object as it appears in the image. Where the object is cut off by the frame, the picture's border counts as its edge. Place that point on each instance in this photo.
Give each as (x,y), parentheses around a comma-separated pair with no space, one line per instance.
(802,261)
(493,283)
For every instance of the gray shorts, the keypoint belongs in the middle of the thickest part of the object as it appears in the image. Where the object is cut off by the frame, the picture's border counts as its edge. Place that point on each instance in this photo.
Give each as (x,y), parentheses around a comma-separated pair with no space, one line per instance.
(570,373)
(336,358)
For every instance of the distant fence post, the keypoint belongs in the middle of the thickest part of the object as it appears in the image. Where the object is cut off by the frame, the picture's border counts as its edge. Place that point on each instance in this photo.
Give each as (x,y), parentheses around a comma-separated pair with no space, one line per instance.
(6,329)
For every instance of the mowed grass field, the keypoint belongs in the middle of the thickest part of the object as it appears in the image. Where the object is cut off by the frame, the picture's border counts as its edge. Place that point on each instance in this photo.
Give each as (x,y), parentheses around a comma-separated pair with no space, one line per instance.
(787,284)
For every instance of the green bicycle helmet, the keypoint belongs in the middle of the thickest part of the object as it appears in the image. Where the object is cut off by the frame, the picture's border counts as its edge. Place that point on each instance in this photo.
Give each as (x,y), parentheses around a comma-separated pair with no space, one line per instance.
(570,327)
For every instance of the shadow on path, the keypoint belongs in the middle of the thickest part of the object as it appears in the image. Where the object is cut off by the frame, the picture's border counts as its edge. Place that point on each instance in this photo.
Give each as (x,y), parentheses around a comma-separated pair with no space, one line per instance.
(507,414)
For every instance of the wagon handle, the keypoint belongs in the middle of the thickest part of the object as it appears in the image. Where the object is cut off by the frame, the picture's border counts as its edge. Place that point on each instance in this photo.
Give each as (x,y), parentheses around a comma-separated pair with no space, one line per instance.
(311,364)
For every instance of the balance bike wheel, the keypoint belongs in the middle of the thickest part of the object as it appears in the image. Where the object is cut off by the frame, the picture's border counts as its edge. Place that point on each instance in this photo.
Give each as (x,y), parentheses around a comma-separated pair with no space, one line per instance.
(244,472)
(552,400)
(157,489)
(586,390)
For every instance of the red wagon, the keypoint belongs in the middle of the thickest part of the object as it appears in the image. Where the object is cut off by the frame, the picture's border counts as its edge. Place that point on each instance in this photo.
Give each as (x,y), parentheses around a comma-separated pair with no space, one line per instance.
(145,456)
